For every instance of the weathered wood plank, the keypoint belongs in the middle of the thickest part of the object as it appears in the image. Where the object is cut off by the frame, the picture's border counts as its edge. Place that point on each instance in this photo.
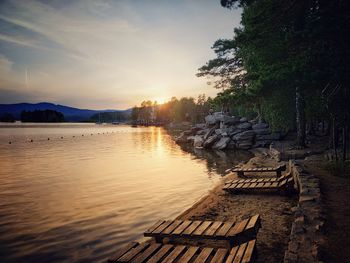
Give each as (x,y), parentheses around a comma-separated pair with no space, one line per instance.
(122,251)
(174,254)
(160,228)
(160,254)
(224,229)
(248,255)
(146,254)
(213,228)
(189,254)
(203,256)
(182,227)
(240,253)
(232,255)
(133,252)
(200,230)
(253,221)
(171,227)
(191,228)
(157,224)
(237,228)
(219,256)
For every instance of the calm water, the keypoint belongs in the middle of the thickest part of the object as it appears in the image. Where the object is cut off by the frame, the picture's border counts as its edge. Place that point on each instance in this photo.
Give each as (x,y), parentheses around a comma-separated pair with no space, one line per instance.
(77,198)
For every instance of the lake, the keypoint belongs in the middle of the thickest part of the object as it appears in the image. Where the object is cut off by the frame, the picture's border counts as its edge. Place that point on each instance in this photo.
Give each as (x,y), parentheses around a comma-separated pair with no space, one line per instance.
(76,192)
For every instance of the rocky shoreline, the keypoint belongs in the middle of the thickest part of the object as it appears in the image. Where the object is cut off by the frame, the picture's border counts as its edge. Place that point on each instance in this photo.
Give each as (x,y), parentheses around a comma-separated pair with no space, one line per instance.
(221,132)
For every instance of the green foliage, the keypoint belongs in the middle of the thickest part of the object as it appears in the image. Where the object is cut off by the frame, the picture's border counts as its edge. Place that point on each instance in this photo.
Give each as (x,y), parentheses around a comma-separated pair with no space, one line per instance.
(7,117)
(281,46)
(184,109)
(108,117)
(42,116)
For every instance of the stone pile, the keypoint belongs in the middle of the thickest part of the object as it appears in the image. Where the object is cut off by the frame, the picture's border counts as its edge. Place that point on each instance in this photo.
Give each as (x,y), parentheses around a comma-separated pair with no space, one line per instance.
(221,132)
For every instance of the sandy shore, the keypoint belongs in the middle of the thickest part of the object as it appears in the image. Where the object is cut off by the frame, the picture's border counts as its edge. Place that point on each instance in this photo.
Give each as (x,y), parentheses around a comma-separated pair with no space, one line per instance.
(275,211)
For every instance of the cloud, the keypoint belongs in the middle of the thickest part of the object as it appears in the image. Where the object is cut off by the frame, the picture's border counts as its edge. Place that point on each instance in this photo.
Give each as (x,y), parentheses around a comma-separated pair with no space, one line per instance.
(108,54)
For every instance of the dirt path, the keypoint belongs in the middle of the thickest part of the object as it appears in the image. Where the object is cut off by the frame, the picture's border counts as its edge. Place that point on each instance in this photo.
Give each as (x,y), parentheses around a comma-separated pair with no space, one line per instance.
(336,200)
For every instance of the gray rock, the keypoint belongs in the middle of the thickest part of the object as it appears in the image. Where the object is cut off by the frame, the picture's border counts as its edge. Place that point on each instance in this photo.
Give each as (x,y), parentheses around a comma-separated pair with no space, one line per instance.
(182,138)
(222,143)
(190,139)
(219,131)
(262,131)
(230,120)
(259,126)
(273,136)
(210,141)
(209,133)
(244,125)
(198,141)
(201,132)
(246,135)
(210,120)
(231,145)
(200,125)
(235,131)
(244,119)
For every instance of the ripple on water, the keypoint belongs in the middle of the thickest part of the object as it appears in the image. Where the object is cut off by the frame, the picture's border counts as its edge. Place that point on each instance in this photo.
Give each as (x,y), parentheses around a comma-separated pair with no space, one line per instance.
(79,198)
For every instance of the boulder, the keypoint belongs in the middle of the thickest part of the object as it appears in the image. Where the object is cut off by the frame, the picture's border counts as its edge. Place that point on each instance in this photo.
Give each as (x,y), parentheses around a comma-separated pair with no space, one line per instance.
(190,139)
(231,145)
(230,120)
(201,132)
(244,125)
(209,133)
(222,143)
(200,125)
(198,141)
(244,145)
(210,141)
(182,138)
(268,137)
(259,126)
(219,116)
(244,119)
(246,135)
(262,131)
(210,120)
(235,131)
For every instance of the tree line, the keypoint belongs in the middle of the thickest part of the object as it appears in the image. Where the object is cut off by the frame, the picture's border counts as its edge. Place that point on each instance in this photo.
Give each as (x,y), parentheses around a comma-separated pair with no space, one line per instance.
(175,110)
(288,63)
(42,116)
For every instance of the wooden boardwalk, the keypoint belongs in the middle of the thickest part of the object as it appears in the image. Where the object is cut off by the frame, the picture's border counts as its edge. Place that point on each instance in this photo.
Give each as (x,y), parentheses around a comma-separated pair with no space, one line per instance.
(155,252)
(284,182)
(243,171)
(209,233)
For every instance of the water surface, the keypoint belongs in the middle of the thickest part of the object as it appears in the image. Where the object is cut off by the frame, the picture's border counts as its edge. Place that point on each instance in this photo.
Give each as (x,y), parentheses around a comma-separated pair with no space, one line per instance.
(76,192)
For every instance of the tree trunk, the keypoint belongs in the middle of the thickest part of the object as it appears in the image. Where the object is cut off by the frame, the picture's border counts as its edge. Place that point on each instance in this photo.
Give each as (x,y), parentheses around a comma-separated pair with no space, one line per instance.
(344,142)
(300,117)
(334,139)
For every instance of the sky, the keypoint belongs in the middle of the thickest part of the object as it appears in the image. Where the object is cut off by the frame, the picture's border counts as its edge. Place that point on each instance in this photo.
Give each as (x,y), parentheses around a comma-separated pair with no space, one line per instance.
(108,54)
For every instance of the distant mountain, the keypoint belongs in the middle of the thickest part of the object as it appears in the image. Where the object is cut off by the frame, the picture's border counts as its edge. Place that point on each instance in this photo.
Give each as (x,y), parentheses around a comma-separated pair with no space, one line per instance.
(70,113)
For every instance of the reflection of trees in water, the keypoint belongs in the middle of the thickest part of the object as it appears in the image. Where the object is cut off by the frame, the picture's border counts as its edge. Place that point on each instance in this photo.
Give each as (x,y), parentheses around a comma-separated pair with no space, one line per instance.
(216,160)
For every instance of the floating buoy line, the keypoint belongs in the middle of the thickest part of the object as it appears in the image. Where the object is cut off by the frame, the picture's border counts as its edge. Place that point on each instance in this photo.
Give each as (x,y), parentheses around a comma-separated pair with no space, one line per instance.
(61,137)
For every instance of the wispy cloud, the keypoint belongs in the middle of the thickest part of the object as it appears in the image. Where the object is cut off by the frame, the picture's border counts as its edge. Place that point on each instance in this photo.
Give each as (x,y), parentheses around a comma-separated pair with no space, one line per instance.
(113,51)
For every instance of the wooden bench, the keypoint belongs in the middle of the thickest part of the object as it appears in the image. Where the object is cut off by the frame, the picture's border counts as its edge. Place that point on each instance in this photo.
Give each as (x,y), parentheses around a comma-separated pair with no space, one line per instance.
(242,171)
(208,233)
(155,252)
(284,182)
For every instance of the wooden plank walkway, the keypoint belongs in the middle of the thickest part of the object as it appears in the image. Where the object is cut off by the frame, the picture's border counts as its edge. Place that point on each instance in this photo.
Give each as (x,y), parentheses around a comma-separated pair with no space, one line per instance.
(284,182)
(242,171)
(210,233)
(154,252)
